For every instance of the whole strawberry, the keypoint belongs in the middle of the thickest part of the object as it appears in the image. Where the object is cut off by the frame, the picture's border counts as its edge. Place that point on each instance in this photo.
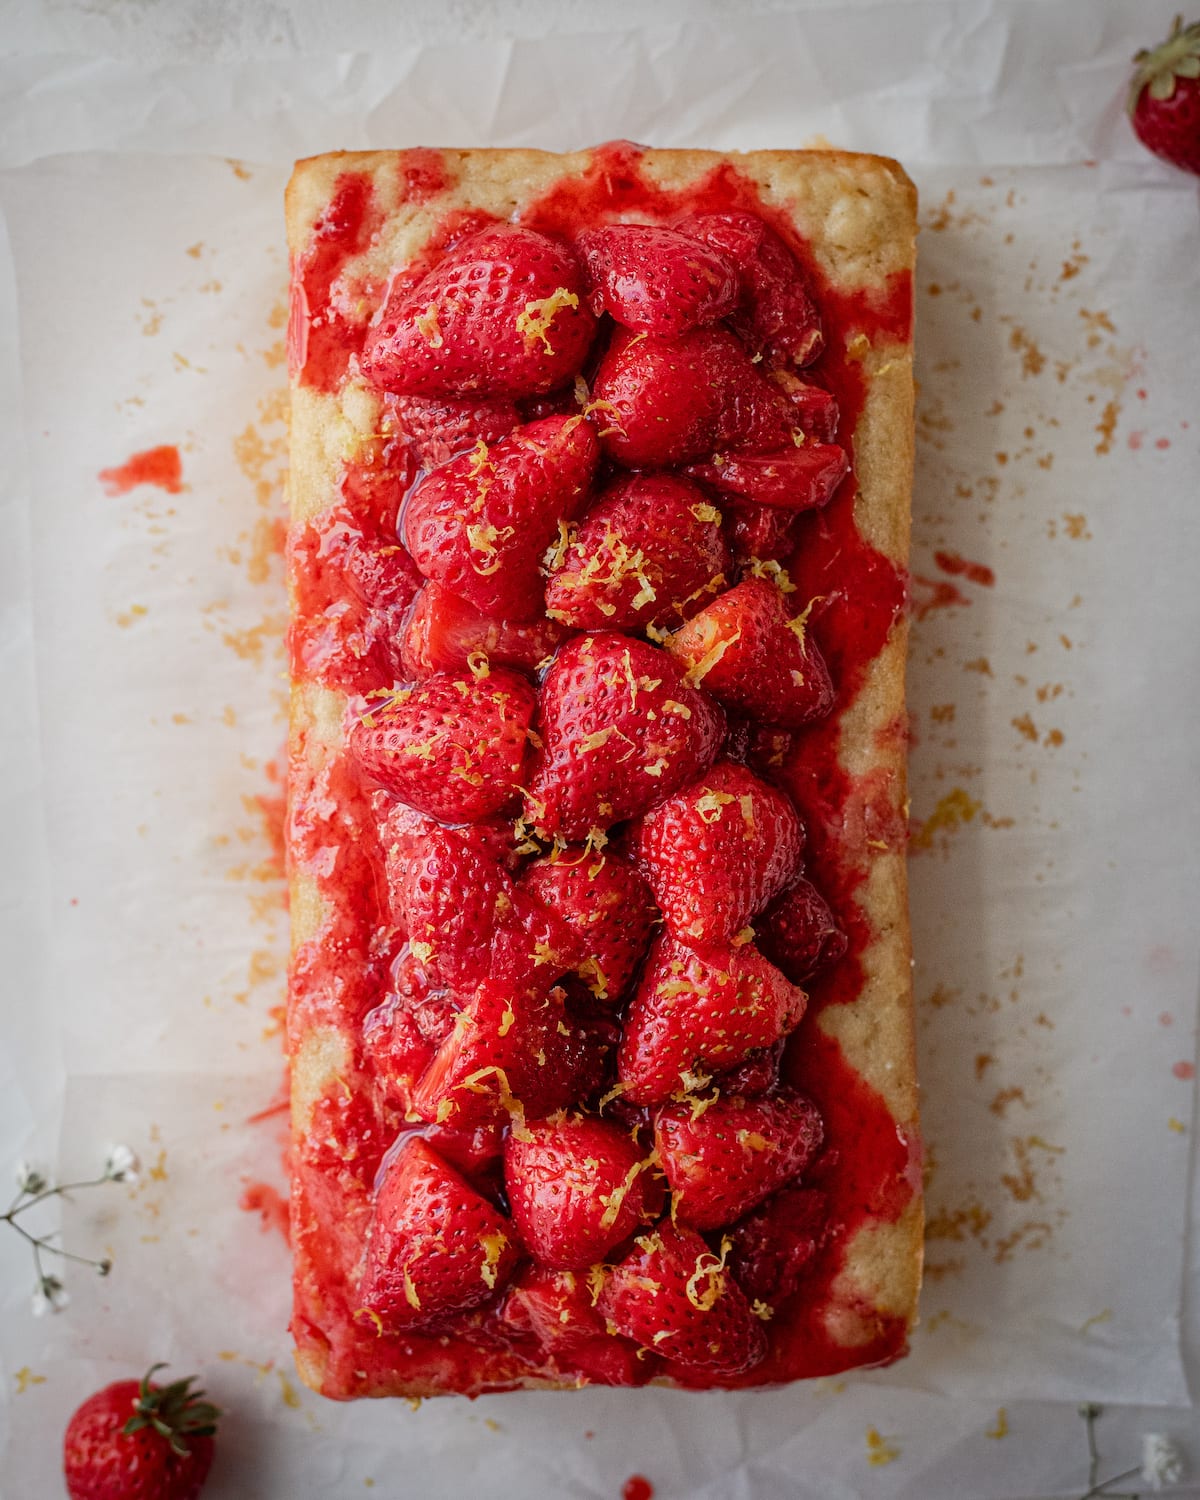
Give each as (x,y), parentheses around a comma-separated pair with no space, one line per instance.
(135,1440)
(1164,97)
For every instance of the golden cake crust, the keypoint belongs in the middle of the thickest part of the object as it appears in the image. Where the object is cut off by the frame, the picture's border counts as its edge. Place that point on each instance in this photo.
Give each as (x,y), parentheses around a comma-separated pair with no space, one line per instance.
(858,215)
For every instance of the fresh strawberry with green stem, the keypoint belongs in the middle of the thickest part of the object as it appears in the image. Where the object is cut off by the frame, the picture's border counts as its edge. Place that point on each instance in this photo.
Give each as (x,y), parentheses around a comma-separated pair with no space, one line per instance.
(656,280)
(717,851)
(577,1187)
(504,313)
(798,932)
(776,1244)
(775,315)
(726,1159)
(606,903)
(481,524)
(451,747)
(620,731)
(664,402)
(649,551)
(755,656)
(435,1246)
(1164,97)
(792,478)
(135,1440)
(446,634)
(557,1309)
(700,1011)
(674,1297)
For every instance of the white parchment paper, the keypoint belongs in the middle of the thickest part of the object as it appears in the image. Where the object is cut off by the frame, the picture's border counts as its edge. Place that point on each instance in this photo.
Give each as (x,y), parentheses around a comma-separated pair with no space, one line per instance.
(1056,826)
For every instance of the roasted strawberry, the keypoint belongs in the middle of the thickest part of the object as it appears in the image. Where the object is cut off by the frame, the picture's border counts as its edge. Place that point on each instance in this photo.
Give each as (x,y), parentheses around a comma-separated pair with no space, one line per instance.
(446,634)
(607,904)
(701,1011)
(502,314)
(401,1035)
(798,932)
(775,314)
(435,1247)
(725,1160)
(759,533)
(135,1440)
(465,918)
(776,1244)
(481,523)
(673,401)
(754,656)
(649,551)
(793,478)
(557,1309)
(815,410)
(656,280)
(758,1074)
(450,747)
(511,1052)
(474,1151)
(436,428)
(620,731)
(674,1297)
(578,1186)
(716,852)
(1164,97)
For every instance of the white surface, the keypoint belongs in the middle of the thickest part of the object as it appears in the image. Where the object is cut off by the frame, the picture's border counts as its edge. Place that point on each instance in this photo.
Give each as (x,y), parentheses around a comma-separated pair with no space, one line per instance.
(123,1012)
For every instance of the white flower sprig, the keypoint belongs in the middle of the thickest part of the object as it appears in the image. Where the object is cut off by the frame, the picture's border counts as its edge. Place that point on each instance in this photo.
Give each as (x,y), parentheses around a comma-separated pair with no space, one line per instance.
(1162,1462)
(35,1186)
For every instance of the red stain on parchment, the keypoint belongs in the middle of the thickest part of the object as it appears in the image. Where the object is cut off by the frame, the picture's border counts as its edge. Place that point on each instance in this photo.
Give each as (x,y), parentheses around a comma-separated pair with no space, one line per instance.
(951,562)
(261,1198)
(161,467)
(1184,1070)
(941,595)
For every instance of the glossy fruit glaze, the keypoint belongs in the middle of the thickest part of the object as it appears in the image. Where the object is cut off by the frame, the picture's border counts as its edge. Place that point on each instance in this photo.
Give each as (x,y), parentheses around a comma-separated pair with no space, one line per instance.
(349,637)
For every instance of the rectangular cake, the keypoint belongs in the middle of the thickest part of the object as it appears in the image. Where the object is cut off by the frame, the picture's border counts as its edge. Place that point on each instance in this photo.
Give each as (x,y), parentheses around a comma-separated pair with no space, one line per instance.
(600,1014)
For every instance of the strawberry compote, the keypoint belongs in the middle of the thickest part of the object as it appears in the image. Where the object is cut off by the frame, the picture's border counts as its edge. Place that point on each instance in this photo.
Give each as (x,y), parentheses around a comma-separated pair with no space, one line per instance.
(591,600)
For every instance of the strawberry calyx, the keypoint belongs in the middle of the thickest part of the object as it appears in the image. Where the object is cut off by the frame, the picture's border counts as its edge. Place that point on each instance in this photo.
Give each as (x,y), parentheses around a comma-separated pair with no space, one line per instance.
(175,1411)
(1159,67)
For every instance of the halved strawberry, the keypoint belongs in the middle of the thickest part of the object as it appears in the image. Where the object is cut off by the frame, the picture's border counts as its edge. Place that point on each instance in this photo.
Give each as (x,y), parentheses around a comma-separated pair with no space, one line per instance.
(798,932)
(716,852)
(620,731)
(776,316)
(512,1052)
(607,904)
(759,533)
(815,409)
(725,1160)
(701,1011)
(435,1247)
(672,401)
(475,1151)
(502,314)
(754,656)
(438,427)
(556,1308)
(675,1297)
(444,634)
(776,1244)
(465,918)
(649,550)
(450,747)
(481,523)
(793,478)
(656,280)
(578,1186)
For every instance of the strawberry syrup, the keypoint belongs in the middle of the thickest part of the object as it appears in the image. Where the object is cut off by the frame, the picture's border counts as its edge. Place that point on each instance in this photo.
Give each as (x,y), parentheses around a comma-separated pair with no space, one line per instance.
(867,1169)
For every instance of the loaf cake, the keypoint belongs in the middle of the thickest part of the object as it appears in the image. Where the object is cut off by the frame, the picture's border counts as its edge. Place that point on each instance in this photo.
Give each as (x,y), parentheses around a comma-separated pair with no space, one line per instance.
(600,1015)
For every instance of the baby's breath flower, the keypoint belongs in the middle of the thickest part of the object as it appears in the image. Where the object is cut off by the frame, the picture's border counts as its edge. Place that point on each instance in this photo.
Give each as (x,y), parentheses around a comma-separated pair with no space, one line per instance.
(50,1297)
(121,1164)
(1162,1462)
(31,1179)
